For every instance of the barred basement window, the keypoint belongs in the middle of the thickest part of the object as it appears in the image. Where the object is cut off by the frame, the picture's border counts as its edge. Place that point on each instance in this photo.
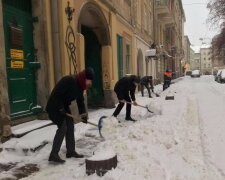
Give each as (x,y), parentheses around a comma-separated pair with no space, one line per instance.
(16,37)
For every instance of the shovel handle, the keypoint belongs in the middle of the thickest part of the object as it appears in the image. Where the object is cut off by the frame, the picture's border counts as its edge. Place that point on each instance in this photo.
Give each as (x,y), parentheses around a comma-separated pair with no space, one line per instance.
(93,124)
(136,105)
(75,118)
(140,106)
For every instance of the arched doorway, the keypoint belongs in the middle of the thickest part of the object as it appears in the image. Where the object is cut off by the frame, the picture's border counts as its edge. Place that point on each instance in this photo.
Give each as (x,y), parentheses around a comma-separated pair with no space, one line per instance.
(140,66)
(93,26)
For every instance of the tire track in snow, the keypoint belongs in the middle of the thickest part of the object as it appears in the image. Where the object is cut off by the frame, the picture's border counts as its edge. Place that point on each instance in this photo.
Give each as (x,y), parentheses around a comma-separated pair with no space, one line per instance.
(195,143)
(207,96)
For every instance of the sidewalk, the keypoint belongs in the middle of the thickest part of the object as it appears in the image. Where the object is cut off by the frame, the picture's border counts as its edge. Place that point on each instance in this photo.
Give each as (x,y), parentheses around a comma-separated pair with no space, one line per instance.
(32,150)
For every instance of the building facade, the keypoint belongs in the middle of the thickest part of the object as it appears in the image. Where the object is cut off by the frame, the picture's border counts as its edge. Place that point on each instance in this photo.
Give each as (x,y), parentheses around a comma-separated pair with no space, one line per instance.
(206,60)
(194,60)
(143,19)
(218,58)
(44,40)
(169,35)
(187,50)
(197,60)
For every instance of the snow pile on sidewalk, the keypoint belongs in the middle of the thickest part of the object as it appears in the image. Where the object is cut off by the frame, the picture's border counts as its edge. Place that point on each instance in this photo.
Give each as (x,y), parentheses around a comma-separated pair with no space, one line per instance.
(166,145)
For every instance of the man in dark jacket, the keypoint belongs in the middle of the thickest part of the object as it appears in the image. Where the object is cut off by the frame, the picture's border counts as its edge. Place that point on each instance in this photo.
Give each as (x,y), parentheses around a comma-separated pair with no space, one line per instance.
(68,89)
(145,82)
(125,91)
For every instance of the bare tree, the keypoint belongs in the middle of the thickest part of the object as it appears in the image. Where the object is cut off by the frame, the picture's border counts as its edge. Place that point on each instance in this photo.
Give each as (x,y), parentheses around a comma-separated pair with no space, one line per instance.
(217,18)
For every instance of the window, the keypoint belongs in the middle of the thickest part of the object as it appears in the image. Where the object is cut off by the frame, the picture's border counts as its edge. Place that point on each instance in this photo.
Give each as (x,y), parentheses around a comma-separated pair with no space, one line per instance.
(128,59)
(209,59)
(16,37)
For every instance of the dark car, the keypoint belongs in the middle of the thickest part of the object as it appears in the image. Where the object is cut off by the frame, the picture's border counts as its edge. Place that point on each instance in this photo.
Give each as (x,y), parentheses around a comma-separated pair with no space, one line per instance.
(217,75)
(188,73)
(195,74)
(221,76)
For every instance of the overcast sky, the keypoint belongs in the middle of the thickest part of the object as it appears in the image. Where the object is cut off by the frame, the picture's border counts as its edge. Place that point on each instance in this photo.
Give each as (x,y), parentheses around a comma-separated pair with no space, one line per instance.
(196,26)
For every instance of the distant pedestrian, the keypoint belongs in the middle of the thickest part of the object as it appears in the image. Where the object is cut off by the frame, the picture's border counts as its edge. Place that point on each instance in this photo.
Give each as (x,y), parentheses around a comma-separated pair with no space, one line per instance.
(125,91)
(147,82)
(167,79)
(68,89)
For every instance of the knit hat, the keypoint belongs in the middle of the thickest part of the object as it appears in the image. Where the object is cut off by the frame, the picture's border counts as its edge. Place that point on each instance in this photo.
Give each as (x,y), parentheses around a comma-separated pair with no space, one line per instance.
(89,73)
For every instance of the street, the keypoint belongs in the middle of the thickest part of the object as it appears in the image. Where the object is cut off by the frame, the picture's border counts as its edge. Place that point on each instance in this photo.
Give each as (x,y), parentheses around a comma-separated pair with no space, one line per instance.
(183,139)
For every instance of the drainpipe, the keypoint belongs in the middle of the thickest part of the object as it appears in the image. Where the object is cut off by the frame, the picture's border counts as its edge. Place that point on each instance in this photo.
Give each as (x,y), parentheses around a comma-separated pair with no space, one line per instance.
(55,40)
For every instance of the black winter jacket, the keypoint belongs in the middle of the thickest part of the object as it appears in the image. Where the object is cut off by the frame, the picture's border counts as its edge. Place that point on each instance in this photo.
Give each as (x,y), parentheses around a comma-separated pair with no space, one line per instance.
(125,87)
(146,81)
(66,91)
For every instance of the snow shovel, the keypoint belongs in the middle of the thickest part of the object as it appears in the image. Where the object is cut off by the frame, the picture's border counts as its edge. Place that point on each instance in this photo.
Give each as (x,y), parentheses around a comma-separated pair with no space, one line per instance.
(156,94)
(99,125)
(146,107)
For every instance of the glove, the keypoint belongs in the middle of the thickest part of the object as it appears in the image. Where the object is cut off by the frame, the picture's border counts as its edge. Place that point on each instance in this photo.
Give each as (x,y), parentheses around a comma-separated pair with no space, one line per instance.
(84,118)
(62,111)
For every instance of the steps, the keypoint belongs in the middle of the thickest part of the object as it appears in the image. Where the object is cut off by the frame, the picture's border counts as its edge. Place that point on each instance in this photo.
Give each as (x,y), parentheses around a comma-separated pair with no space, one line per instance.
(32,141)
(25,128)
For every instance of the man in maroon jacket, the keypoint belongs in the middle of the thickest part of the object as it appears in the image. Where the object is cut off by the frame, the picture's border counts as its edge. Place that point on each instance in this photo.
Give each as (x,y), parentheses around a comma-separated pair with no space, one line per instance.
(68,89)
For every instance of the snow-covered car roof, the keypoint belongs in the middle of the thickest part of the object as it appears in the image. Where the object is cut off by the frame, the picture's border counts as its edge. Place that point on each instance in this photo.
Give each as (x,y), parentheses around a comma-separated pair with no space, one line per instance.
(195,72)
(219,71)
(223,73)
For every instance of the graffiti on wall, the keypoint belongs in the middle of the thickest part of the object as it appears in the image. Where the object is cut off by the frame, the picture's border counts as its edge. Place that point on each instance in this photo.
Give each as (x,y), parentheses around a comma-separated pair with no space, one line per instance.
(70,39)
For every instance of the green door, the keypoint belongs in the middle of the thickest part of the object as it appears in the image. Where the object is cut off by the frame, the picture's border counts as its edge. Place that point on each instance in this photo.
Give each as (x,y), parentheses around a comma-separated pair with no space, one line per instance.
(93,59)
(120,56)
(19,48)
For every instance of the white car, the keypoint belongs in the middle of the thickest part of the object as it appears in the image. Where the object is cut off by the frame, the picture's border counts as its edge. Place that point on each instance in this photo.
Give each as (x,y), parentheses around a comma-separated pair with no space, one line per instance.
(195,73)
(217,75)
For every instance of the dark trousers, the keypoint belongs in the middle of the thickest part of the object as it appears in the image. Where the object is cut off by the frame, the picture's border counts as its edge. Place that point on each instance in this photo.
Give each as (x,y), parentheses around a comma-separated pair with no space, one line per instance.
(65,129)
(166,84)
(120,107)
(143,86)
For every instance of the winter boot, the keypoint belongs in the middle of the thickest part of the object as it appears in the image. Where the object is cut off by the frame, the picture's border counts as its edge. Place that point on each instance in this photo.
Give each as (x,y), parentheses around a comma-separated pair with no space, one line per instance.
(130,119)
(74,154)
(55,158)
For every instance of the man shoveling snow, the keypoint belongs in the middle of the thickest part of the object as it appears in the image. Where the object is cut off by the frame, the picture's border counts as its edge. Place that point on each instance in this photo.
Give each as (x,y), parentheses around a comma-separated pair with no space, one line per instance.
(68,89)
(125,91)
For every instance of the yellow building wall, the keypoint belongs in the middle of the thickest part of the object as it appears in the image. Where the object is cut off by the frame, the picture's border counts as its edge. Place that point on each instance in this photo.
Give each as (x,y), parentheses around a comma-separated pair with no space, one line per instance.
(116,26)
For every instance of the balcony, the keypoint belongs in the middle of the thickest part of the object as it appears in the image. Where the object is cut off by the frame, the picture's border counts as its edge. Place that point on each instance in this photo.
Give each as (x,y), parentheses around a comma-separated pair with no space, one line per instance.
(164,12)
(162,7)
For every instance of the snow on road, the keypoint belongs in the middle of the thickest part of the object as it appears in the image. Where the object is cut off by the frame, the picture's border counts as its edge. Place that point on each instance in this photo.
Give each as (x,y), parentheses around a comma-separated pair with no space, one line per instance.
(183,140)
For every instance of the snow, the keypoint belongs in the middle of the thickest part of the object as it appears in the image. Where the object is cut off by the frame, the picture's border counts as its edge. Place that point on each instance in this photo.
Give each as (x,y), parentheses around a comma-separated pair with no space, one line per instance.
(26,127)
(183,139)
(32,139)
(102,155)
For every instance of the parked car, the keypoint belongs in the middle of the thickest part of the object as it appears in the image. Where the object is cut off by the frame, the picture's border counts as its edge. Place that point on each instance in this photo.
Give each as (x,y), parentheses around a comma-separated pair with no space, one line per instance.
(221,76)
(217,74)
(195,74)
